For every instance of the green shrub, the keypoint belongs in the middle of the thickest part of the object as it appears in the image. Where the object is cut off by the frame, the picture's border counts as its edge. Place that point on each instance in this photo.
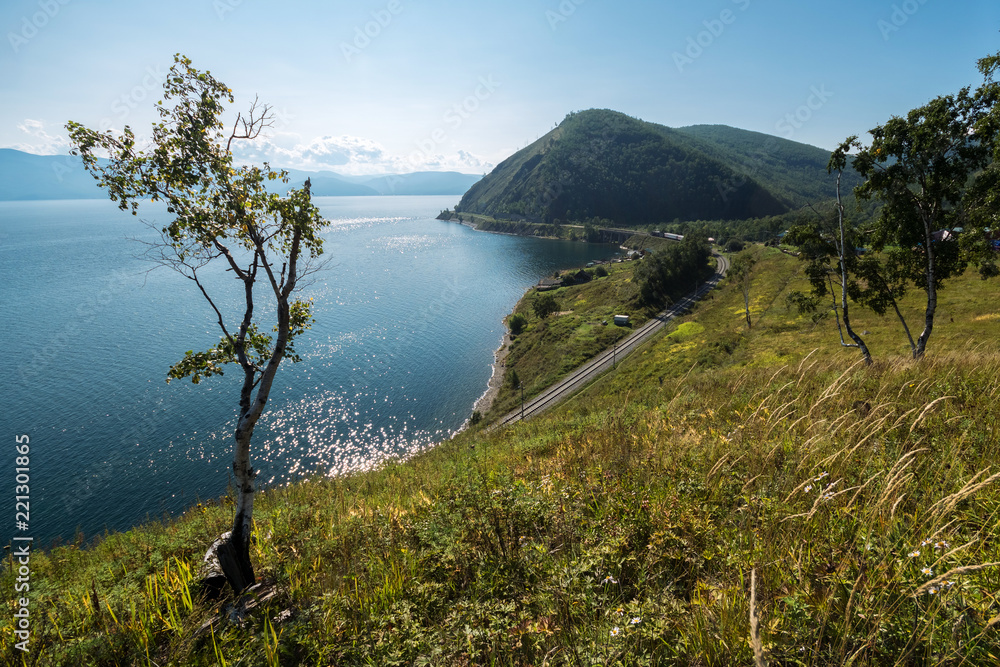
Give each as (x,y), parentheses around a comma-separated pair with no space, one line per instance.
(516,323)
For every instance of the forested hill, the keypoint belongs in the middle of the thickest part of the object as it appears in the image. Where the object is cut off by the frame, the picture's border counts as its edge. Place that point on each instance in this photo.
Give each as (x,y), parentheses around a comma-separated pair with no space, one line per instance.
(605,164)
(795,173)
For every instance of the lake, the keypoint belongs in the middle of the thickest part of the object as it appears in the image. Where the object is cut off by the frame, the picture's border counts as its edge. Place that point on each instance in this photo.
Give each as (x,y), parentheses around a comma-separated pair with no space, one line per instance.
(408,312)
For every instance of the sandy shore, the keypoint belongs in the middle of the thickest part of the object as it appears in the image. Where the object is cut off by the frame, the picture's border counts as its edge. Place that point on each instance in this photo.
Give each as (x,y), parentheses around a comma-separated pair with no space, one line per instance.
(496,379)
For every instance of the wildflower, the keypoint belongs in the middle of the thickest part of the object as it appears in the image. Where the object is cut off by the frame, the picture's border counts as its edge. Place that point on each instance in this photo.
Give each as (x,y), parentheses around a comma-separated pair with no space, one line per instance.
(941,545)
(927,572)
(636,620)
(822,475)
(925,543)
(913,554)
(932,590)
(619,612)
(809,487)
(615,631)
(609,580)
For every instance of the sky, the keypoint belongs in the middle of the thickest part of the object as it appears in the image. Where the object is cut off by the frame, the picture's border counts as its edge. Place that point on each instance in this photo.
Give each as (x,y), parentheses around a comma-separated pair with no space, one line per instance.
(396,86)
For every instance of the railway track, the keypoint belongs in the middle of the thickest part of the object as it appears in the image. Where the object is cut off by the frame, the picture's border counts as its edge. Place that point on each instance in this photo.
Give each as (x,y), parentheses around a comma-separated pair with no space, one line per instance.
(608,359)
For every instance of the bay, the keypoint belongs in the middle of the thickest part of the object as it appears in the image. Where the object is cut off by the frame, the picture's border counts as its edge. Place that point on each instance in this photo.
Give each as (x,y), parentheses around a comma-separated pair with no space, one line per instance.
(408,311)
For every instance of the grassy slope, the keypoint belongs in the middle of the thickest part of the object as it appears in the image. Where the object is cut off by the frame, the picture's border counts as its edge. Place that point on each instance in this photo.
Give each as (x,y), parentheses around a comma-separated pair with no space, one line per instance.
(549,349)
(623,527)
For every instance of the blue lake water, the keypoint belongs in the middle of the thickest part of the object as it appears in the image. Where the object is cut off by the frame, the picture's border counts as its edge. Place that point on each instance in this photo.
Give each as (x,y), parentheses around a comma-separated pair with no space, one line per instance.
(408,315)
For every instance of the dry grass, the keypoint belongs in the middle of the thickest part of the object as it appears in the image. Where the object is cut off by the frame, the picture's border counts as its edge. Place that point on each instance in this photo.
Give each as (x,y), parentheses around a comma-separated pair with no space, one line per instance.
(618,530)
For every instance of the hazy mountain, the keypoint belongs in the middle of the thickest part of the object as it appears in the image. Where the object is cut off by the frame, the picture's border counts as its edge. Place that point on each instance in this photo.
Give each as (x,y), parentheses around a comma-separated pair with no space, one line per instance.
(423,183)
(27,176)
(324,184)
(605,164)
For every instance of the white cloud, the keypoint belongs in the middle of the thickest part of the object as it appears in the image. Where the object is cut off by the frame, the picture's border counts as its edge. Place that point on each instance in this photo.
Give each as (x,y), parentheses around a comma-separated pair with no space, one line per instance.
(41,142)
(350,156)
(347,155)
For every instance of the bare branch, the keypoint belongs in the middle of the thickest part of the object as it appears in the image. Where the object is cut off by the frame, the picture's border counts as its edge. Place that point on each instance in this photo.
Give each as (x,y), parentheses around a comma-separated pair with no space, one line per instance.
(250,127)
(218,314)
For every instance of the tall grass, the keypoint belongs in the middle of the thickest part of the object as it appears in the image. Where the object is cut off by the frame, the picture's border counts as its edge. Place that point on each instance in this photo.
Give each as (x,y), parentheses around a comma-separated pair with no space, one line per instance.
(696,508)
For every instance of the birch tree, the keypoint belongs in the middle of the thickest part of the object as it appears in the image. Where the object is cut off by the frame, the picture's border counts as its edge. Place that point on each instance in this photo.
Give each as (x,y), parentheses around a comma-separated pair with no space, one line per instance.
(845,252)
(923,169)
(742,274)
(221,213)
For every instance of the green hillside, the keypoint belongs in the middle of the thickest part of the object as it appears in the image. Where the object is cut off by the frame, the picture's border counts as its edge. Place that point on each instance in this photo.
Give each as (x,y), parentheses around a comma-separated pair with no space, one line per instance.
(604,164)
(722,490)
(795,173)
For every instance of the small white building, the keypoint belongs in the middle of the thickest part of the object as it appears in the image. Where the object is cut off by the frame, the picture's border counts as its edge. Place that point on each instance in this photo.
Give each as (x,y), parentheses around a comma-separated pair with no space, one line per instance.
(621,320)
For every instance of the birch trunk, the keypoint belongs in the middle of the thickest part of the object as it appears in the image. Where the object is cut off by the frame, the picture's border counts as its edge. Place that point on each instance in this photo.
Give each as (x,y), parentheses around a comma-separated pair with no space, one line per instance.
(931,291)
(858,341)
(234,553)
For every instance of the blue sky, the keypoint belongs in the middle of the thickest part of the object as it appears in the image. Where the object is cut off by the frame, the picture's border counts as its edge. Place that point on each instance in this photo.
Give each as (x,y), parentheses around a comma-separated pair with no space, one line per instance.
(378,86)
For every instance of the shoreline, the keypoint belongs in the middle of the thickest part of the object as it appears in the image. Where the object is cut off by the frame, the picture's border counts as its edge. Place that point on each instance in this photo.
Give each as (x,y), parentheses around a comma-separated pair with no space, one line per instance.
(485,402)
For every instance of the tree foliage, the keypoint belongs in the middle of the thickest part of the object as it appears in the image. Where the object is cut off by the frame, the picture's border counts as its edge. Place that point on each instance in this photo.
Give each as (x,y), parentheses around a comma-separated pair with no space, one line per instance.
(742,271)
(677,269)
(516,323)
(544,305)
(221,213)
(929,171)
(933,174)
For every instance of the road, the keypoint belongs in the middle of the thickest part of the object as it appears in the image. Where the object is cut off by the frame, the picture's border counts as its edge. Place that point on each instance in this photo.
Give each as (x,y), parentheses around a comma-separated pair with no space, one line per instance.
(609,358)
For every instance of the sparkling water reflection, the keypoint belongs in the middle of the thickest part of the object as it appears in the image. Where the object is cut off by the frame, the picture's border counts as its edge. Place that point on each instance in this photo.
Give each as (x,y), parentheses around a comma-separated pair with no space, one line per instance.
(408,314)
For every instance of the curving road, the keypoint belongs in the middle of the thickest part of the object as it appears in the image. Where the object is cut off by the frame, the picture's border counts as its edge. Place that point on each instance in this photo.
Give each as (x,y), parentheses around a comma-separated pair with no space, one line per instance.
(607,359)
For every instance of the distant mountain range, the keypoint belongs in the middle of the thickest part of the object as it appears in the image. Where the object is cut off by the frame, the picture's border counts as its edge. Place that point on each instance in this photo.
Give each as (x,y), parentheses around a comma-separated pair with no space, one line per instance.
(605,164)
(26,176)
